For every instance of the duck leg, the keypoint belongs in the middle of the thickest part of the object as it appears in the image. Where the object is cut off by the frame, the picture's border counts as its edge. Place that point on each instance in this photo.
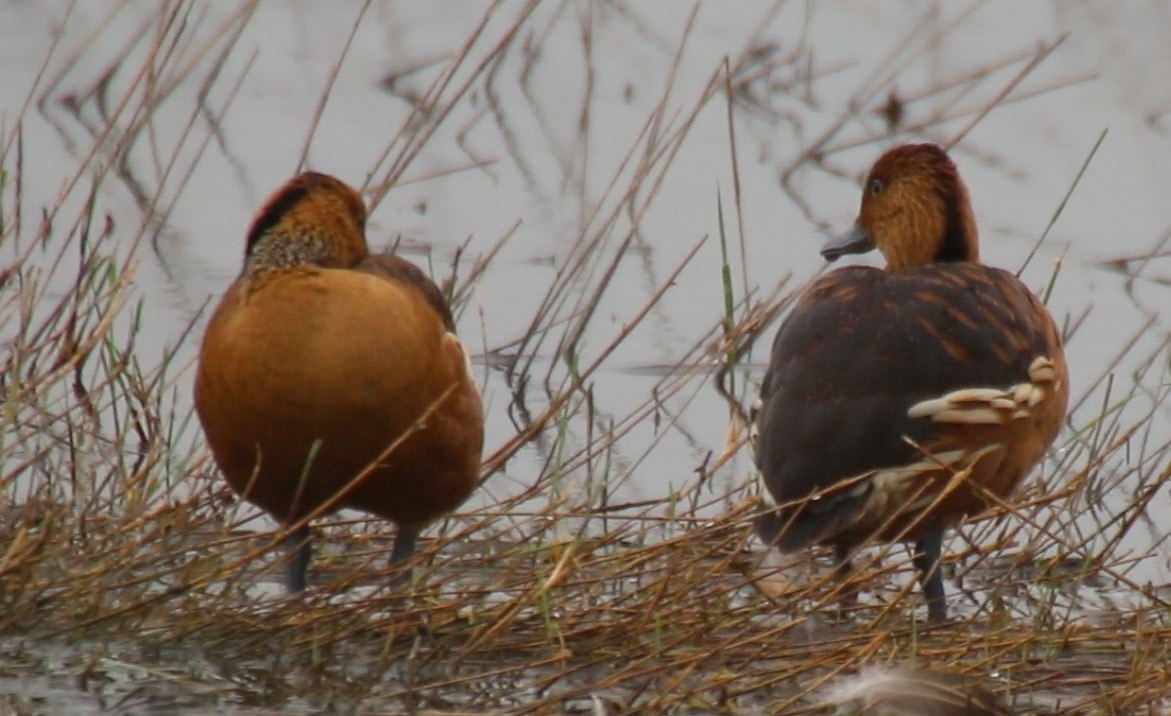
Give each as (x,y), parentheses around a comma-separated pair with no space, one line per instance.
(926,561)
(842,570)
(299,542)
(404,547)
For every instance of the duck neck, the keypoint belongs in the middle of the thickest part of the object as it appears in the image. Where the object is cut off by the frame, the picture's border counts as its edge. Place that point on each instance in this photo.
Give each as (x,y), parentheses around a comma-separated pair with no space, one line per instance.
(275,252)
(959,241)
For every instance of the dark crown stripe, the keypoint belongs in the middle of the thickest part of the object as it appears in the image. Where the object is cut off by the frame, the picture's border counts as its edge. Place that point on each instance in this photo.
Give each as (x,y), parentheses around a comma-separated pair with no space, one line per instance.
(955,245)
(290,195)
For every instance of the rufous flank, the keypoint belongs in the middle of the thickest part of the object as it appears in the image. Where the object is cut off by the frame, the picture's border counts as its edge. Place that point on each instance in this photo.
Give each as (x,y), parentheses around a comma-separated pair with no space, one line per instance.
(324,363)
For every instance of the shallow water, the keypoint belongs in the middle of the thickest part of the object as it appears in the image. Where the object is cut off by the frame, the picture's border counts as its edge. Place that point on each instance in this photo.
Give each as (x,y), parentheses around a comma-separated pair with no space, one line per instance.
(560,115)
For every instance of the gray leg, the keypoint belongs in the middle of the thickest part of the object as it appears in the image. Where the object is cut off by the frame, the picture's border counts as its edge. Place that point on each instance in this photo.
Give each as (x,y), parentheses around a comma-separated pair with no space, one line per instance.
(842,566)
(404,547)
(926,560)
(300,544)
(842,570)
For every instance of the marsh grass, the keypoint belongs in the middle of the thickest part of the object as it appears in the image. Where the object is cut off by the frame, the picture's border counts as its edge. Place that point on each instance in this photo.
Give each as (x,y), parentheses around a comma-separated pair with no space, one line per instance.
(118,539)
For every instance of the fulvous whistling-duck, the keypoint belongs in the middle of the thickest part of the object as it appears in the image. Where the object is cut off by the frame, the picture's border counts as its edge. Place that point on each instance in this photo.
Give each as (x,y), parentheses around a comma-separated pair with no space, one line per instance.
(903,691)
(330,377)
(897,401)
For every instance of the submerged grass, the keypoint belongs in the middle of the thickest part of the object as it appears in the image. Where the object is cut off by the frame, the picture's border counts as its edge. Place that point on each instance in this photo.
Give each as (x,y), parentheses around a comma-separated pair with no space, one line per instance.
(127,563)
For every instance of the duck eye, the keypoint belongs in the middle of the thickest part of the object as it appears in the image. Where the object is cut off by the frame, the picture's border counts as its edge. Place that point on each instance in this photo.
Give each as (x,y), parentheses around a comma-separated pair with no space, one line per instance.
(876,187)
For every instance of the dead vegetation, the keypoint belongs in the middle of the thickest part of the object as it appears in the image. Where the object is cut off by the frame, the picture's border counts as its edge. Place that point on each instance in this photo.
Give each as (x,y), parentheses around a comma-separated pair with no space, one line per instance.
(126,564)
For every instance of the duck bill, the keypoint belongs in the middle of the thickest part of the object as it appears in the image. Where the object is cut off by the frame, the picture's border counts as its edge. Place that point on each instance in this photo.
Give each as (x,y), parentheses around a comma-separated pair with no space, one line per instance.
(854,241)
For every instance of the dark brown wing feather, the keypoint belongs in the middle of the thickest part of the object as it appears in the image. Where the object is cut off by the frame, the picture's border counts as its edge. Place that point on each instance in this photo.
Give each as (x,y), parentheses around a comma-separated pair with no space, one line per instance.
(863,346)
(397,269)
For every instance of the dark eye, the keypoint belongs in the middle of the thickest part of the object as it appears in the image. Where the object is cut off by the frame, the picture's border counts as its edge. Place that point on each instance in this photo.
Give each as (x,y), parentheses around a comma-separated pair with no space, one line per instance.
(876,187)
